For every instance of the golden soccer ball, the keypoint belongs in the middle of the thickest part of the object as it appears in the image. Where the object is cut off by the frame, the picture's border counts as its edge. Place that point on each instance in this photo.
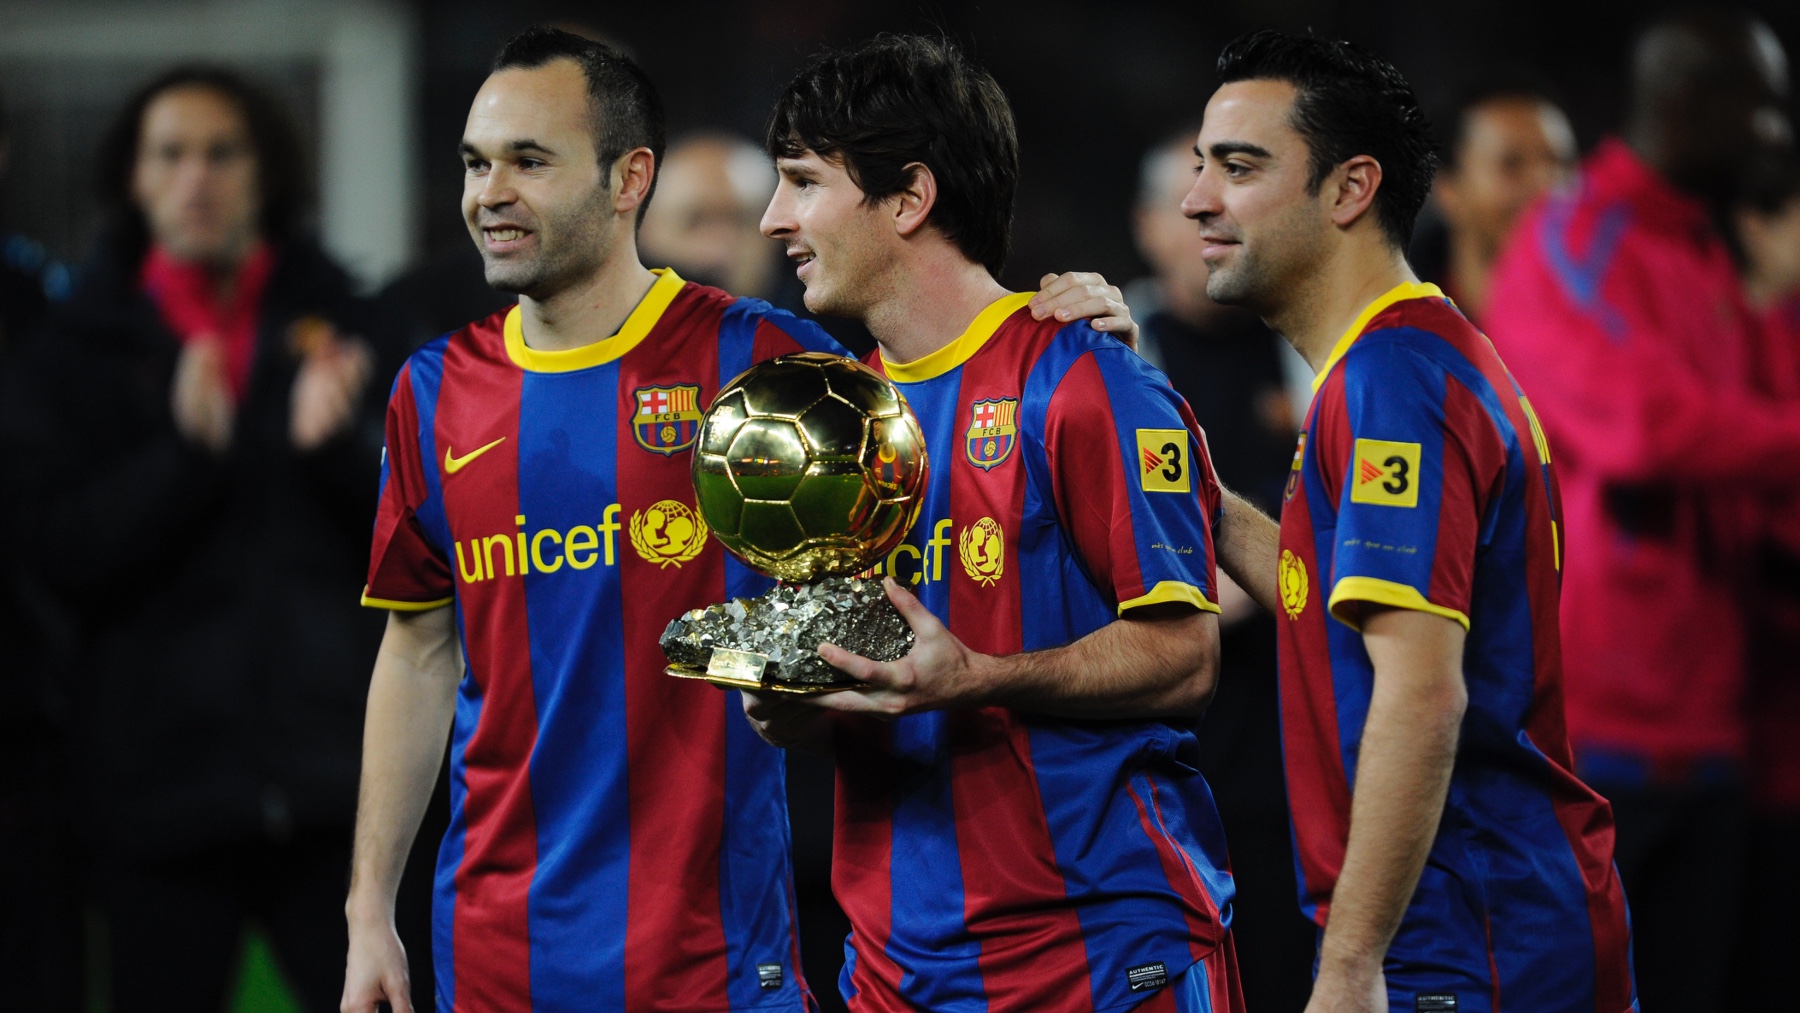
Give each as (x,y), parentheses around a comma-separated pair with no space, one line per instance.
(809,466)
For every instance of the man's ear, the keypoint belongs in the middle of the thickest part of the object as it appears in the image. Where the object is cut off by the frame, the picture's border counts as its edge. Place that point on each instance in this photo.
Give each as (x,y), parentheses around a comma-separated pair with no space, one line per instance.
(632,175)
(913,204)
(1352,189)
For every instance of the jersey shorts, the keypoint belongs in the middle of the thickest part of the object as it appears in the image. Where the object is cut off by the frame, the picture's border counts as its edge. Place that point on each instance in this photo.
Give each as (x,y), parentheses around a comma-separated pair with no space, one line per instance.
(618,838)
(1001,860)
(1423,481)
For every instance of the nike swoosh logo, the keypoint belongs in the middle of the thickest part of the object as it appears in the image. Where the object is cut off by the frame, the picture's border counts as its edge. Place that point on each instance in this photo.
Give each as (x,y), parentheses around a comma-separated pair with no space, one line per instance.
(454,464)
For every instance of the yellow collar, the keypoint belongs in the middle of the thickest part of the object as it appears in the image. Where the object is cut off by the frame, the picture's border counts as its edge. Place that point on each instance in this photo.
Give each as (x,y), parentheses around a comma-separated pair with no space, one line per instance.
(963,348)
(1404,290)
(635,328)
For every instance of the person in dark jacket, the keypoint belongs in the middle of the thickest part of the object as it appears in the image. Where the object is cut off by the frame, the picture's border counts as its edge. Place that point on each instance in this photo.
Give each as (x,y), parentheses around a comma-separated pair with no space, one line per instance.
(195,439)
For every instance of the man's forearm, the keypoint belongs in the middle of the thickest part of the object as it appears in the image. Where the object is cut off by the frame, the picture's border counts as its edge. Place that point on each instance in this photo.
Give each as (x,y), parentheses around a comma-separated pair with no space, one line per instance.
(1158,661)
(1248,543)
(412,698)
(1403,769)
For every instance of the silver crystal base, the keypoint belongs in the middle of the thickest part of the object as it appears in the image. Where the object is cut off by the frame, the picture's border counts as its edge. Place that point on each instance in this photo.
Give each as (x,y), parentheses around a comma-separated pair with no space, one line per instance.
(773,640)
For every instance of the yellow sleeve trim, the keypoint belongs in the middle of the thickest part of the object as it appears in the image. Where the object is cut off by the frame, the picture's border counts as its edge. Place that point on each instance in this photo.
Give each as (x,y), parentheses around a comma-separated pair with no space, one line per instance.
(1385,592)
(403,606)
(1170,590)
(635,329)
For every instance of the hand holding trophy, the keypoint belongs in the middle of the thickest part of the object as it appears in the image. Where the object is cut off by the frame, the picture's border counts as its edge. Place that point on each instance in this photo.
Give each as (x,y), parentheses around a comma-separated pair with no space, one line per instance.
(809,468)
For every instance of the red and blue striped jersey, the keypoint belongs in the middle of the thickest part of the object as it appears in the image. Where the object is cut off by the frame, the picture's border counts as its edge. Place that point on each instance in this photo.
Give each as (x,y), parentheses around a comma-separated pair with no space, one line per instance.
(618,839)
(1423,481)
(999,860)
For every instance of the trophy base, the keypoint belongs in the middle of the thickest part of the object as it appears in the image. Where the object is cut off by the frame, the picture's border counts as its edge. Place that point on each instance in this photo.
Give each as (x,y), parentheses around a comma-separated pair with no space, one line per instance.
(768,643)
(764,685)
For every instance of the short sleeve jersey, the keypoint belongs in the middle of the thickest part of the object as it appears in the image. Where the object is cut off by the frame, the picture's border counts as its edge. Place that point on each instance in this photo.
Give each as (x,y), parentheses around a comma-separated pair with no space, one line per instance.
(1422,481)
(1001,860)
(618,838)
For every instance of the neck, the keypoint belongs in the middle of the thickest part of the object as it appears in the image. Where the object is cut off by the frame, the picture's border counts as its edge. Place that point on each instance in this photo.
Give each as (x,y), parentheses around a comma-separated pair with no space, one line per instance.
(1471,264)
(590,310)
(930,303)
(1327,304)
(1763,291)
(222,269)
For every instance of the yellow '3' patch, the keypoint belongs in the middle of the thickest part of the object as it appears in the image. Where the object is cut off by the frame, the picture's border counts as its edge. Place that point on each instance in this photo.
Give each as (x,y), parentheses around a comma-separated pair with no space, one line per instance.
(1385,473)
(1163,460)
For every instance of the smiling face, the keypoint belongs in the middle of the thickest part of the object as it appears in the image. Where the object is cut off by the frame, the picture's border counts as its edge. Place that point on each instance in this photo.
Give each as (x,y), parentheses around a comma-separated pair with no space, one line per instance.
(1261,231)
(195,177)
(535,199)
(842,246)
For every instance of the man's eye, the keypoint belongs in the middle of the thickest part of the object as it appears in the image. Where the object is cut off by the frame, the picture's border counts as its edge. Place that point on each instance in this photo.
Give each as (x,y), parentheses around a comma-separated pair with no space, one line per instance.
(1234,169)
(530,163)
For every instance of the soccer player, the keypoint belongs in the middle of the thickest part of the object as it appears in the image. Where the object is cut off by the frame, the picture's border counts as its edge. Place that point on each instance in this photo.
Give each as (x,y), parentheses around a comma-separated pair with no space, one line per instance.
(1026,830)
(1444,846)
(615,842)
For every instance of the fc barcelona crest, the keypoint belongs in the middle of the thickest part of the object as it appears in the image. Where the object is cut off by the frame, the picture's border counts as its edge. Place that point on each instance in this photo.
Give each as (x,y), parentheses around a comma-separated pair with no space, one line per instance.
(993,432)
(667,419)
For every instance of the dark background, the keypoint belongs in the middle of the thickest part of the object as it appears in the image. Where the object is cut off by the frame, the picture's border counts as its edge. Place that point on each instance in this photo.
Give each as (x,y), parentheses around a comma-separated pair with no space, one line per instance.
(1092,85)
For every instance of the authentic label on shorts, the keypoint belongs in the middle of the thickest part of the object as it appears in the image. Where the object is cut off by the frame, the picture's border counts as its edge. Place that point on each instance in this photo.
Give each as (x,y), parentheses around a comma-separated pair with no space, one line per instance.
(1434,1002)
(1147,977)
(769,976)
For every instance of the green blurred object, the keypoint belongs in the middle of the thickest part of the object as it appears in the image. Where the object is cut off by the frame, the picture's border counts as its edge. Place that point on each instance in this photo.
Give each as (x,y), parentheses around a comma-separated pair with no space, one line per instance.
(260,987)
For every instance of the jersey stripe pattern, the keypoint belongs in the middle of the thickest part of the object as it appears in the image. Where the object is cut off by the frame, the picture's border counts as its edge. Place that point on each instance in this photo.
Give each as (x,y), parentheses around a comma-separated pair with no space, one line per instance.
(618,838)
(1424,482)
(997,860)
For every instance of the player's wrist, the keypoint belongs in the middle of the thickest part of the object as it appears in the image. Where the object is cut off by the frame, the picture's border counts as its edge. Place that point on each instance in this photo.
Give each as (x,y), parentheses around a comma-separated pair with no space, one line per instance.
(365,909)
(1349,963)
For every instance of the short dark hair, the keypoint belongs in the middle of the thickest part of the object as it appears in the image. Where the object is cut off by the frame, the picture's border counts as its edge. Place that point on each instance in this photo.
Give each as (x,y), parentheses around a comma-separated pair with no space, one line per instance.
(281,172)
(897,100)
(1348,102)
(628,112)
(1450,128)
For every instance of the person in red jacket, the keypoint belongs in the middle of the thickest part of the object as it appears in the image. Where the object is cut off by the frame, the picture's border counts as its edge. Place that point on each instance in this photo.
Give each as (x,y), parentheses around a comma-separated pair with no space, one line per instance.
(1618,305)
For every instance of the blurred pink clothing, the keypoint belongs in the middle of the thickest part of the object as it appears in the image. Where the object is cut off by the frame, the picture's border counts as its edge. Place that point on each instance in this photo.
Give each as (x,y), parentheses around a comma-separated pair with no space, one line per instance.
(1620,312)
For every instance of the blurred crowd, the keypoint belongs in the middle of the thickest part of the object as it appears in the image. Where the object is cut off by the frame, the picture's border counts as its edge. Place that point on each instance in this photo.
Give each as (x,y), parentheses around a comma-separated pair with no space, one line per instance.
(192,420)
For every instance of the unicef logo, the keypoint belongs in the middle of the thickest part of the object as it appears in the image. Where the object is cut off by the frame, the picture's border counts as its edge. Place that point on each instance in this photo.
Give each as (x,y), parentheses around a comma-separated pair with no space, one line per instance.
(1290,575)
(983,550)
(668,533)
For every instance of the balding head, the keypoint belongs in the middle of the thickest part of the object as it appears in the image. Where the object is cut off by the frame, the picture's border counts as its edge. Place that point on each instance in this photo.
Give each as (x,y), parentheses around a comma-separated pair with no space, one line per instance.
(1707,99)
(710,196)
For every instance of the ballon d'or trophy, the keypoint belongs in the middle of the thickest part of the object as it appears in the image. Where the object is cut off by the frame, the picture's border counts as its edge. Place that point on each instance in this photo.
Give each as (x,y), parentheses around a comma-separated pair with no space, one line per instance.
(809,468)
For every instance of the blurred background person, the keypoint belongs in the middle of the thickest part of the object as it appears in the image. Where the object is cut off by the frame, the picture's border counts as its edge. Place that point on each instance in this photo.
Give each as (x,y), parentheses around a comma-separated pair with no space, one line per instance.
(1620,310)
(193,441)
(711,193)
(1230,368)
(1504,142)
(1766,233)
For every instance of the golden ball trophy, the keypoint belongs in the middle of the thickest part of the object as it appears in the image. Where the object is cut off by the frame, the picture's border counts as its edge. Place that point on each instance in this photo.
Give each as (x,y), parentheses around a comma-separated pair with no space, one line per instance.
(809,468)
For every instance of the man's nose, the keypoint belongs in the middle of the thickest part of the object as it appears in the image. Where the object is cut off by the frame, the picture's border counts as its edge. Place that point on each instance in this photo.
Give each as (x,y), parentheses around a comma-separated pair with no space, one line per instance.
(496,190)
(1202,199)
(775,221)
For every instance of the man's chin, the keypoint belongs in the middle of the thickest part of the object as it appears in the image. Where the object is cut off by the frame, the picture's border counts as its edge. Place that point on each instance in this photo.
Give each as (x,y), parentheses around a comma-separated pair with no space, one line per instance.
(513,279)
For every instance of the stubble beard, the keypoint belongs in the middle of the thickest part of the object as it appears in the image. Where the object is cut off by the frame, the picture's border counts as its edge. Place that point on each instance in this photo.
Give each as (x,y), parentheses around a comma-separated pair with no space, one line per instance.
(573,241)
